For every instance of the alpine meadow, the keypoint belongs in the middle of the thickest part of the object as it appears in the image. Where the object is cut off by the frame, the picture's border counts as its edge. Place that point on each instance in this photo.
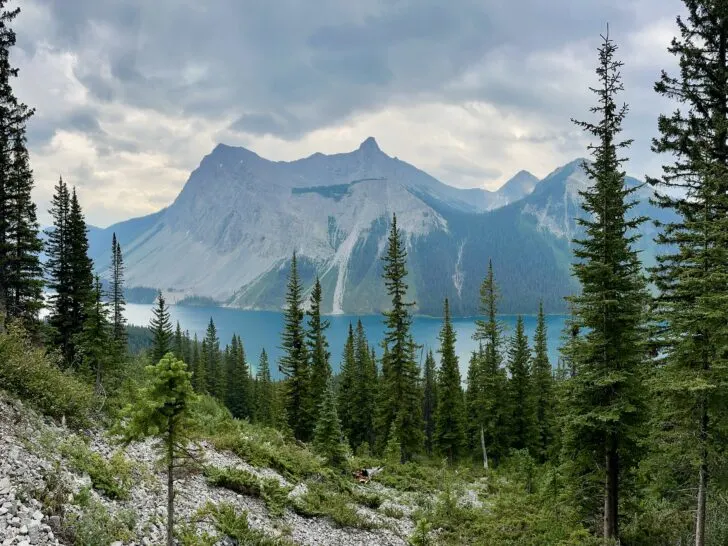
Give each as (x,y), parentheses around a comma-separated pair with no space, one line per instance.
(346,431)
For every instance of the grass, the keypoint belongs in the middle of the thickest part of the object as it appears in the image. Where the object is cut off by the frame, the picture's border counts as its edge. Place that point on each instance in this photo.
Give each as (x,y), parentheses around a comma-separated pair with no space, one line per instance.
(241,481)
(112,477)
(321,500)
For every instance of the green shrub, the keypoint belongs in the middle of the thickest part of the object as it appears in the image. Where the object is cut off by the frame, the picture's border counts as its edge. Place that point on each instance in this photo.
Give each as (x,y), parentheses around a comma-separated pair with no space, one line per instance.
(27,372)
(241,481)
(228,522)
(113,478)
(392,511)
(322,501)
(367,498)
(96,526)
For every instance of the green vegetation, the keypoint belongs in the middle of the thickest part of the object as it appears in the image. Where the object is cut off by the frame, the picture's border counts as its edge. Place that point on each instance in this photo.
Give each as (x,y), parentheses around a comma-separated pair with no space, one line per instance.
(112,477)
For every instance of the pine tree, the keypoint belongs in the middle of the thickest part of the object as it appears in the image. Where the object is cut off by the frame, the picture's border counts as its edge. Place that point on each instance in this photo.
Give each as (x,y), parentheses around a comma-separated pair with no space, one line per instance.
(161,328)
(317,346)
(93,343)
(403,396)
(239,388)
(347,385)
(164,412)
(20,246)
(328,438)
(603,418)
(59,270)
(692,272)
(523,419)
(264,392)
(488,407)
(214,367)
(118,303)
(429,401)
(449,434)
(294,363)
(543,390)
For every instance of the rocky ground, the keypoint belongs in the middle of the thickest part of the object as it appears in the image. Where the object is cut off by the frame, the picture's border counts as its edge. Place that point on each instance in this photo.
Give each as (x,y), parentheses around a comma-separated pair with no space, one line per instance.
(38,488)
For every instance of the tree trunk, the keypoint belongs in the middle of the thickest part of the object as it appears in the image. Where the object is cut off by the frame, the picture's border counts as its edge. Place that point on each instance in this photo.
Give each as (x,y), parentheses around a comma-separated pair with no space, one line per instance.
(611,491)
(702,480)
(482,445)
(170,488)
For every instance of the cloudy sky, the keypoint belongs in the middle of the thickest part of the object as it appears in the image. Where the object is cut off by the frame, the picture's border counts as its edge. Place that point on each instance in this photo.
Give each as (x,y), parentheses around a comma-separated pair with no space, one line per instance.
(130,96)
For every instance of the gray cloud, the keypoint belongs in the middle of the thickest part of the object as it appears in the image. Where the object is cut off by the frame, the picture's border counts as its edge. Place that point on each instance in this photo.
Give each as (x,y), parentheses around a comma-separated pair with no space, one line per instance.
(252,70)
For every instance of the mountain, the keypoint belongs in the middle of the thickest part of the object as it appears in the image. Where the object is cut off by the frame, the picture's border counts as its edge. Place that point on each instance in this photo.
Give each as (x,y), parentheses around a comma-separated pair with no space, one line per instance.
(230,233)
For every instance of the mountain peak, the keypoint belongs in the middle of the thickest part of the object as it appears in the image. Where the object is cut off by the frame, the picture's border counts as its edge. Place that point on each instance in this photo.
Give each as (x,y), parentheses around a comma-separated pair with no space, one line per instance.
(369,145)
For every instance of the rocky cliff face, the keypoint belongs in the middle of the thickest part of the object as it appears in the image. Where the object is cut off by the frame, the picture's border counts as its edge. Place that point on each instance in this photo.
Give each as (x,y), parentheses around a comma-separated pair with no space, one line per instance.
(230,233)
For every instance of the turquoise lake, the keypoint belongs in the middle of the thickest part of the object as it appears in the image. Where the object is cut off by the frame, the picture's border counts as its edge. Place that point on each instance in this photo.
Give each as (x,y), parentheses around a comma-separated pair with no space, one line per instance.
(262,329)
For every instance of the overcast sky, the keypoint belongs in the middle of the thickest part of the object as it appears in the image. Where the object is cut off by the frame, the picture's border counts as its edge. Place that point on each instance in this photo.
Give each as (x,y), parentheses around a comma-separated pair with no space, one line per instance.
(130,96)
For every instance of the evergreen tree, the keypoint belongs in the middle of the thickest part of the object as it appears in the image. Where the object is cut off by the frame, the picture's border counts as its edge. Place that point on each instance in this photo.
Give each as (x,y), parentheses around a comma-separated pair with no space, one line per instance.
(543,390)
(118,303)
(177,343)
(94,340)
(347,386)
(161,328)
(692,272)
(523,418)
(317,346)
(365,390)
(264,402)
(20,274)
(403,398)
(328,439)
(164,412)
(81,271)
(294,363)
(239,389)
(605,396)
(488,408)
(59,270)
(429,402)
(214,367)
(450,427)
(199,377)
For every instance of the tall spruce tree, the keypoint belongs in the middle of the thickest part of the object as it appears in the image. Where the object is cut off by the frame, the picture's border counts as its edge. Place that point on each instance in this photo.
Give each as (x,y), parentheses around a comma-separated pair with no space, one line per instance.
(523,416)
(20,245)
(199,377)
(239,388)
(605,395)
(264,390)
(347,384)
(692,272)
(363,391)
(23,273)
(214,365)
(450,426)
(81,270)
(118,302)
(403,396)
(543,390)
(178,342)
(318,347)
(161,328)
(93,344)
(429,400)
(58,270)
(488,408)
(295,362)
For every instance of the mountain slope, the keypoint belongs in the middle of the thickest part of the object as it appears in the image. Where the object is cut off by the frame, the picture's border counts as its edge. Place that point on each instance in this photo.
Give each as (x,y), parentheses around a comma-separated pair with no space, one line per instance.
(230,233)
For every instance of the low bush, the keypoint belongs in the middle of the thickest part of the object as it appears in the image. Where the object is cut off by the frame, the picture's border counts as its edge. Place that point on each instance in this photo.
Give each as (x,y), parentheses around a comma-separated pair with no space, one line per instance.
(96,526)
(32,375)
(234,525)
(322,501)
(241,481)
(112,478)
